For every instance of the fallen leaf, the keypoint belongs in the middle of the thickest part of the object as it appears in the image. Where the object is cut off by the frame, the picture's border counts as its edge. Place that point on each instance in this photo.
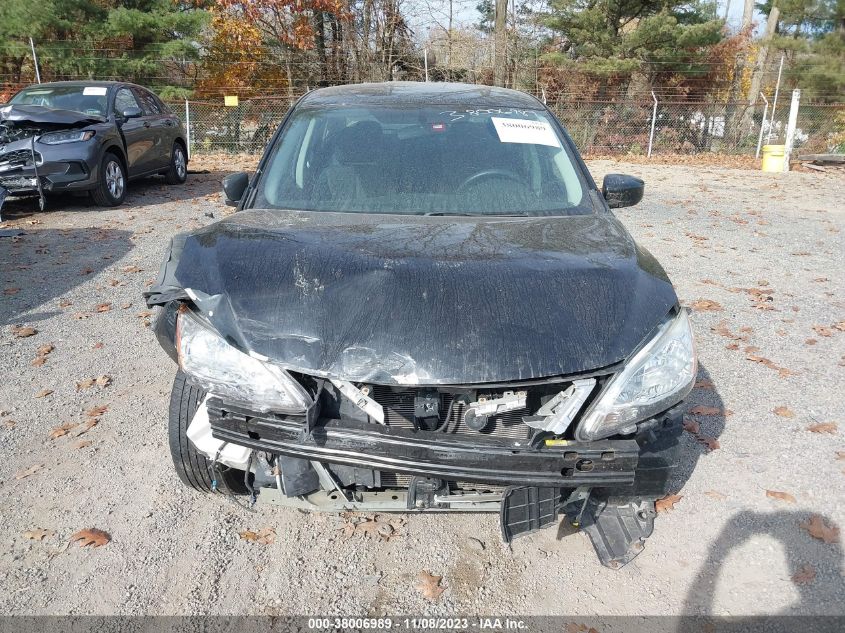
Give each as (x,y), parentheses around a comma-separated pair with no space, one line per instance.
(9,424)
(90,536)
(132,269)
(84,384)
(822,330)
(59,431)
(89,424)
(264,536)
(840,326)
(823,427)
(429,585)
(28,472)
(97,411)
(705,305)
(578,627)
(840,454)
(810,341)
(780,496)
(81,444)
(43,393)
(704,384)
(97,346)
(704,410)
(102,307)
(103,381)
(38,534)
(715,494)
(125,306)
(691,425)
(667,503)
(819,529)
(804,575)
(710,442)
(23,331)
(65,303)
(784,412)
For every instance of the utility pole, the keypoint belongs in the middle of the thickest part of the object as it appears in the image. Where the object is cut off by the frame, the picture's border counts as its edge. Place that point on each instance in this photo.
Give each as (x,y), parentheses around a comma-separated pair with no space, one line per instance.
(500,39)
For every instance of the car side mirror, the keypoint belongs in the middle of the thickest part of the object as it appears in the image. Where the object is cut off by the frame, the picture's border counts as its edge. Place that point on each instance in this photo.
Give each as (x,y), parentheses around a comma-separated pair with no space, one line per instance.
(131,113)
(234,186)
(622,191)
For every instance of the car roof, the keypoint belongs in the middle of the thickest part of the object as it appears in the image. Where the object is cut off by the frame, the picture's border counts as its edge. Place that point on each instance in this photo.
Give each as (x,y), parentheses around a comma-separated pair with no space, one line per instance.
(415,93)
(83,83)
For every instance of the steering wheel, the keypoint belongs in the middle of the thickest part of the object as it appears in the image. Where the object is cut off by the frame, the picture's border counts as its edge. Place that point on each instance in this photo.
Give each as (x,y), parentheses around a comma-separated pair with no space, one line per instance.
(490,173)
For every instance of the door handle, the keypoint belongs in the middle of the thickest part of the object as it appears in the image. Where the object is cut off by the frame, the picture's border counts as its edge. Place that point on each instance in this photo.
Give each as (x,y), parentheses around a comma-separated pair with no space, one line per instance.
(168,123)
(146,124)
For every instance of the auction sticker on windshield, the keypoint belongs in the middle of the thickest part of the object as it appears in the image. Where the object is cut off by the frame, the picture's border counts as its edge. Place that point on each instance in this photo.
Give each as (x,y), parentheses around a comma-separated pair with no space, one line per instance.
(525,131)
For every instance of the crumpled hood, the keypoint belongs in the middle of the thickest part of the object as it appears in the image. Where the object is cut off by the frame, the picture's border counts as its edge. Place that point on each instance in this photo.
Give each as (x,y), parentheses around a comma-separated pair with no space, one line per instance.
(421,300)
(42,114)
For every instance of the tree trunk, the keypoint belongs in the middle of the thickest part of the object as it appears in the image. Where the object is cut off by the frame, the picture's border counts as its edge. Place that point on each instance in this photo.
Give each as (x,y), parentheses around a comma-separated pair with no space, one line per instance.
(762,57)
(501,43)
(320,43)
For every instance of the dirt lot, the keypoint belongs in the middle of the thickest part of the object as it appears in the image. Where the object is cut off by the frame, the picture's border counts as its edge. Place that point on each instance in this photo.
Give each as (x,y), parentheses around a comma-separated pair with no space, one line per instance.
(754,529)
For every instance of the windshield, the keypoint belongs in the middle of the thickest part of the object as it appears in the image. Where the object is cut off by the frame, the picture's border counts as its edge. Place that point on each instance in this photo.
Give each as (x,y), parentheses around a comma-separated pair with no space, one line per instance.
(431,160)
(85,99)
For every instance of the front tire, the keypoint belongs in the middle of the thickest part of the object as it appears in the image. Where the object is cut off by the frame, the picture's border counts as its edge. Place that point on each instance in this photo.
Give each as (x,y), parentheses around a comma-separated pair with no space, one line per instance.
(193,468)
(111,188)
(178,172)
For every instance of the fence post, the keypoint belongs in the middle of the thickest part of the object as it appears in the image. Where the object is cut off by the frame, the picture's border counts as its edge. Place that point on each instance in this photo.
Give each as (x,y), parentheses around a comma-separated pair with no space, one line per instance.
(188,127)
(653,121)
(790,128)
(762,125)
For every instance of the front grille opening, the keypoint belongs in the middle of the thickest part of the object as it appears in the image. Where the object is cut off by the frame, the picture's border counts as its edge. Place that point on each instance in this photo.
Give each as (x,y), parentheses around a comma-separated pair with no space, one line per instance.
(399,412)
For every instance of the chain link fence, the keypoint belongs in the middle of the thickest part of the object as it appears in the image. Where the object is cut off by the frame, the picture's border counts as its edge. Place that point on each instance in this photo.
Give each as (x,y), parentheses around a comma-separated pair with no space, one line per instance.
(598,128)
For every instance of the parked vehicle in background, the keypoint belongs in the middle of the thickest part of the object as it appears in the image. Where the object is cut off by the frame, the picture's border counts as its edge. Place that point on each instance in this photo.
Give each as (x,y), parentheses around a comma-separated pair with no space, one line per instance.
(88,136)
(425,303)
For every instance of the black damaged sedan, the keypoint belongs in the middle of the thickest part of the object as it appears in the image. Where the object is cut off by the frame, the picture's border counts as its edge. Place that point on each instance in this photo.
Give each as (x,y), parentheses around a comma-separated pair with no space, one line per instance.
(87,136)
(424,302)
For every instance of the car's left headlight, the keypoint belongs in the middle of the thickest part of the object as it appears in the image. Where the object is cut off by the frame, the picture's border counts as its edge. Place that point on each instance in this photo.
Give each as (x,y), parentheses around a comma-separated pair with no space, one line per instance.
(658,376)
(58,138)
(225,371)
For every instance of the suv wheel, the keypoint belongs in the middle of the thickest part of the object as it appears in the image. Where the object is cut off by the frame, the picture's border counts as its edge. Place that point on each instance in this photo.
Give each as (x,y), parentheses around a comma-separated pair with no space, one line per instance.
(178,172)
(111,189)
(193,468)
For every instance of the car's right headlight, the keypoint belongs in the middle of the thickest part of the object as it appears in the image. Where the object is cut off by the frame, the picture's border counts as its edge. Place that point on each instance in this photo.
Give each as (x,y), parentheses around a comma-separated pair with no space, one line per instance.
(60,138)
(658,376)
(225,371)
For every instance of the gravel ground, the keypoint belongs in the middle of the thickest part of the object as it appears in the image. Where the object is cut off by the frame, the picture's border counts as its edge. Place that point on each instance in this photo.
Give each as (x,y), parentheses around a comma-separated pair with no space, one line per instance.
(767,248)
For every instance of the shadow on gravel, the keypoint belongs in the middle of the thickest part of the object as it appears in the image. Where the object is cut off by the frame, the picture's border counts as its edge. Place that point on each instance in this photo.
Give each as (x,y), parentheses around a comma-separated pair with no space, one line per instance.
(151,190)
(711,427)
(42,265)
(814,566)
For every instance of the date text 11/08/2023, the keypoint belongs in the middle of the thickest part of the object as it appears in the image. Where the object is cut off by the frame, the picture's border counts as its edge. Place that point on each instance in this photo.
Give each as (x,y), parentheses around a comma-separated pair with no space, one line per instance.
(417,624)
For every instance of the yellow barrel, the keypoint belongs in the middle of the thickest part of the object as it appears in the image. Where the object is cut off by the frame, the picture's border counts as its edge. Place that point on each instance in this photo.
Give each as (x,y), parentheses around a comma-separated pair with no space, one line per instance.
(773,157)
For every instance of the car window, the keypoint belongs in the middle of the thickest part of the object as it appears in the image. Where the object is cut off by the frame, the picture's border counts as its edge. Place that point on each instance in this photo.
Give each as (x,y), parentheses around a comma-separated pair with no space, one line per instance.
(431,160)
(147,101)
(86,99)
(124,99)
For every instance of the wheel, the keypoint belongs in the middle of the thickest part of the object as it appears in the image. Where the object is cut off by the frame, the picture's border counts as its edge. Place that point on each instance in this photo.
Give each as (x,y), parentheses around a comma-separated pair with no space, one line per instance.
(193,468)
(111,189)
(178,172)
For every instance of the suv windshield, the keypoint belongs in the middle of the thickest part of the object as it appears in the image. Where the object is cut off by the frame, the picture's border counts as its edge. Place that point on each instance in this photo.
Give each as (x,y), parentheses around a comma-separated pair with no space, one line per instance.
(431,160)
(85,99)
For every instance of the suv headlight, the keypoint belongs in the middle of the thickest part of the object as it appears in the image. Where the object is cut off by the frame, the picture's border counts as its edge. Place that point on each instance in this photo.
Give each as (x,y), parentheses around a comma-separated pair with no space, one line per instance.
(658,376)
(58,138)
(222,370)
